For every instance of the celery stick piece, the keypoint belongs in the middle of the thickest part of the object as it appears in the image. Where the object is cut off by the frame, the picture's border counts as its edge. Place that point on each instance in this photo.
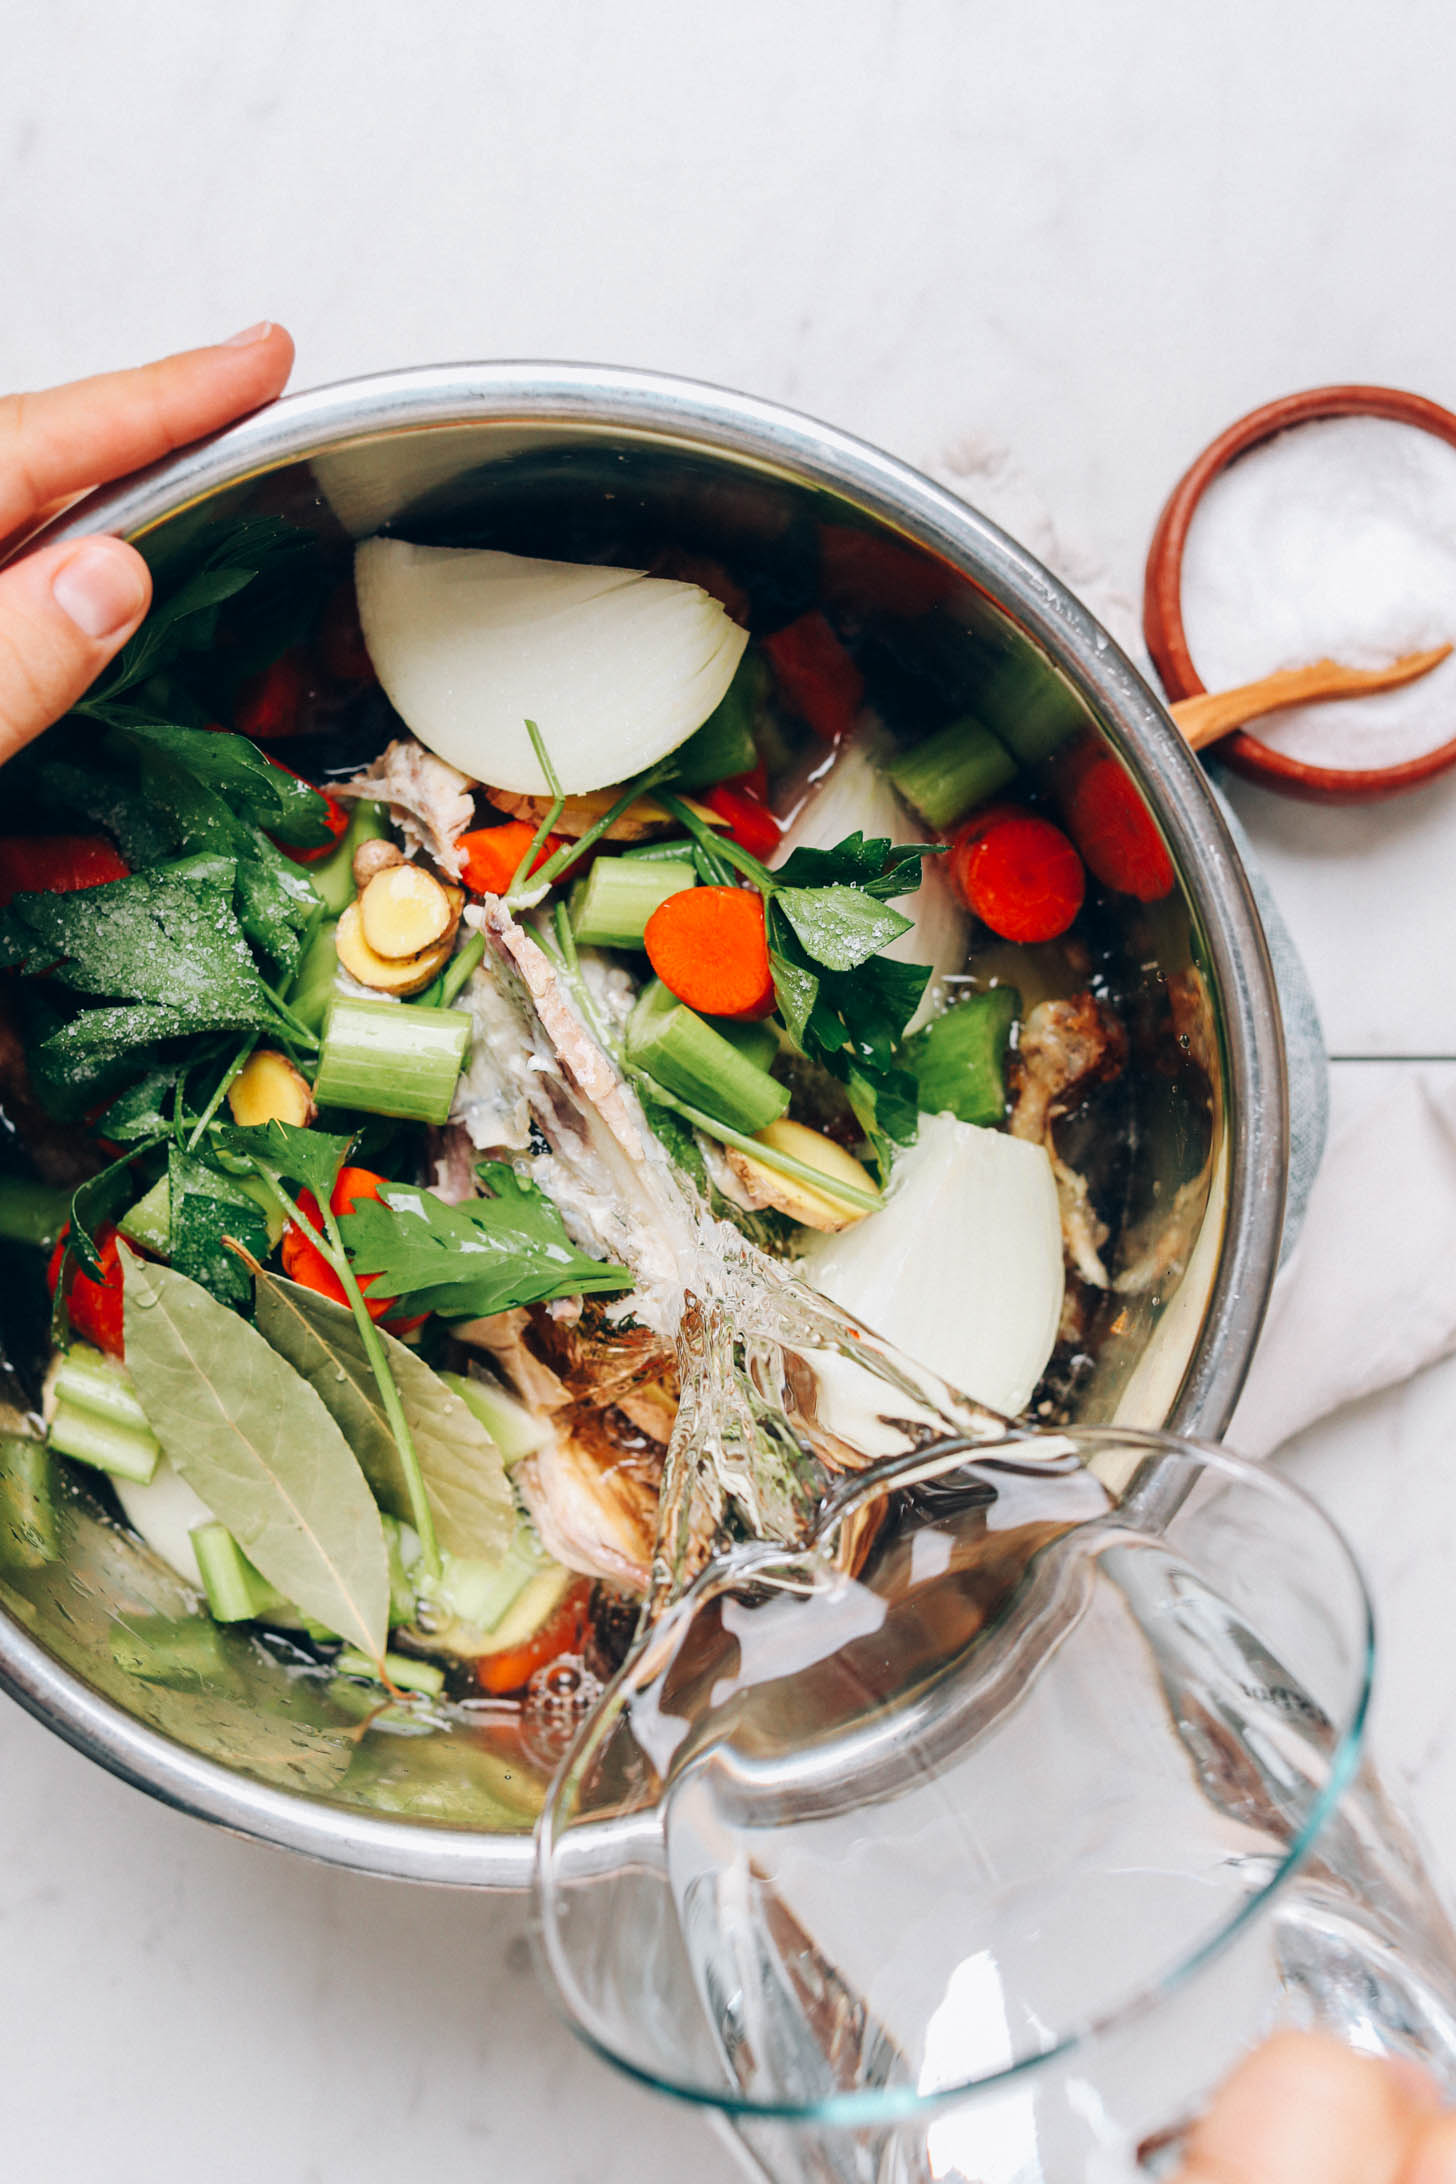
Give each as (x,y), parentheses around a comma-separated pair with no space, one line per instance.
(332,878)
(236,1592)
(723,747)
(957,768)
(515,1431)
(684,1053)
(149,1222)
(313,983)
(402,1670)
(757,1043)
(959,1059)
(390,1060)
(619,895)
(97,1417)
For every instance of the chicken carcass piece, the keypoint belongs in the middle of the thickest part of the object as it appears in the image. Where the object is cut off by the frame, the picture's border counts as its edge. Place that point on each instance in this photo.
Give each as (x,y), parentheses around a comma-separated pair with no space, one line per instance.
(594,1507)
(433,802)
(1067,1047)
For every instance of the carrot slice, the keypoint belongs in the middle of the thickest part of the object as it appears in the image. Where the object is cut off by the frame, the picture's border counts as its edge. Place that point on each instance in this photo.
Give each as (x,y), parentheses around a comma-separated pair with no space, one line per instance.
(56,864)
(95,1308)
(816,675)
(305,1264)
(709,946)
(492,854)
(1112,826)
(1018,873)
(335,818)
(276,703)
(750,822)
(562,1632)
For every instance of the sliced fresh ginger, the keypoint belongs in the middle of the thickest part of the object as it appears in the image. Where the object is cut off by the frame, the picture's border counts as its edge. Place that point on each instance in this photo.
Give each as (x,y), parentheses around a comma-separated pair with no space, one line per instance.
(800,1201)
(269,1089)
(386,974)
(578,813)
(404,910)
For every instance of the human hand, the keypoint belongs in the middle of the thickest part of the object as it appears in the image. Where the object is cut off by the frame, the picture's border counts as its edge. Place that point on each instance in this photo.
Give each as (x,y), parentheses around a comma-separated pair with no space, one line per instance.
(1305,2109)
(66,610)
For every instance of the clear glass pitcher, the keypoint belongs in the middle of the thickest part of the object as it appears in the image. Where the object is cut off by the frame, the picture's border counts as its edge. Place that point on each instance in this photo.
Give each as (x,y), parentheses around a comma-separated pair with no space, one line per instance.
(985,1863)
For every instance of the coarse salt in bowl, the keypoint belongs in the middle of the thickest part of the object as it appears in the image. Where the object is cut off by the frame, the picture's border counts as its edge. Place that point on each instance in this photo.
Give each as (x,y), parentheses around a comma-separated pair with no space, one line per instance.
(1320,527)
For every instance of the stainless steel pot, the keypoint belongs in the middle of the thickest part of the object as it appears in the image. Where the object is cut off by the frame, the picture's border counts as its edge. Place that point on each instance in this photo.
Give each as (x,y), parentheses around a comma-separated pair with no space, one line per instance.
(528,454)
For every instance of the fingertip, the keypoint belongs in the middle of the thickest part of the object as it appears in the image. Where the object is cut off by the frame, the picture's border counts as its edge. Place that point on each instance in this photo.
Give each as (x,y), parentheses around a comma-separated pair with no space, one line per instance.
(103,586)
(265,351)
(1434,2158)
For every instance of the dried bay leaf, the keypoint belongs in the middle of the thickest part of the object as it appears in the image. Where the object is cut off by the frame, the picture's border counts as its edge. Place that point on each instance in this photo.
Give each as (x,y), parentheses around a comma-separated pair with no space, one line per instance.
(259,1446)
(470,1496)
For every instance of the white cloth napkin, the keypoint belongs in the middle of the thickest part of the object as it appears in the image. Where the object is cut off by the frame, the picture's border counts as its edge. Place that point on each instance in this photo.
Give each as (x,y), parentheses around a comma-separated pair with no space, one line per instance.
(1367,1296)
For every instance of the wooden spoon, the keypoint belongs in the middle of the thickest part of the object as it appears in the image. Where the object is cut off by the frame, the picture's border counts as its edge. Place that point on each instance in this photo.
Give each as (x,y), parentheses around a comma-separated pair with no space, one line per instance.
(1216,713)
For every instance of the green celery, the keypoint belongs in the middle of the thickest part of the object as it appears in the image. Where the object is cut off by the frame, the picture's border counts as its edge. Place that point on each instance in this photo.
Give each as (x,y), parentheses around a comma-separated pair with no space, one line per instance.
(390,1060)
(149,1222)
(724,746)
(612,905)
(959,1060)
(677,851)
(515,1431)
(313,982)
(757,1042)
(1034,713)
(682,1052)
(332,878)
(402,1670)
(236,1592)
(958,767)
(97,1417)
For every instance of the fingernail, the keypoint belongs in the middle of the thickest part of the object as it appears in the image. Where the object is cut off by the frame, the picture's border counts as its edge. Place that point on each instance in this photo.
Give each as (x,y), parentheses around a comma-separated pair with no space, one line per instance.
(249,335)
(101,588)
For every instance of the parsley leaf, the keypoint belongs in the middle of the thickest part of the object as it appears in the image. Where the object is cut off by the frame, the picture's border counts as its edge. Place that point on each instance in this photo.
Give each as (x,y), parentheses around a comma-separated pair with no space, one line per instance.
(163,948)
(310,1158)
(97,1201)
(167,936)
(840,927)
(470,1260)
(877,866)
(205,1206)
(227,559)
(254,788)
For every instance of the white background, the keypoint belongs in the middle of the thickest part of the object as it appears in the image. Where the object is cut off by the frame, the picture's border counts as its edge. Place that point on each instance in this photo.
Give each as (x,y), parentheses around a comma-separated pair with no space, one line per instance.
(1095,233)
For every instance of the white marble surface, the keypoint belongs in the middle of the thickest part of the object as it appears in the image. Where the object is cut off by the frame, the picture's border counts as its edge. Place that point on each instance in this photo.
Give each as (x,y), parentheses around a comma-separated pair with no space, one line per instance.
(1096,234)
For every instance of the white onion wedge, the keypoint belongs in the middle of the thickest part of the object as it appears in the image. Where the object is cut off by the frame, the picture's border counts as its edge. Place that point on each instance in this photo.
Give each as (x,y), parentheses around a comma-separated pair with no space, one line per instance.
(962,1266)
(615,668)
(855,793)
(166,1511)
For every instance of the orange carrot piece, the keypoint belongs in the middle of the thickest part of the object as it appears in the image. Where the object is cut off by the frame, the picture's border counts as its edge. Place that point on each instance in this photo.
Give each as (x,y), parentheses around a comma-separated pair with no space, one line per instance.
(1112,826)
(816,675)
(562,1632)
(709,946)
(1018,873)
(56,864)
(492,854)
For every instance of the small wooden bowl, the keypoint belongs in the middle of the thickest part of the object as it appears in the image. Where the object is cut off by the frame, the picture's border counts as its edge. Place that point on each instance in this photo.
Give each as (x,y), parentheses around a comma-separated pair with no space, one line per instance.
(1163,593)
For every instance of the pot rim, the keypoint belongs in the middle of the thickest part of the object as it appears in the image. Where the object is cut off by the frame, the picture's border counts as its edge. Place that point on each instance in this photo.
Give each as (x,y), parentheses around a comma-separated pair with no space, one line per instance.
(752,432)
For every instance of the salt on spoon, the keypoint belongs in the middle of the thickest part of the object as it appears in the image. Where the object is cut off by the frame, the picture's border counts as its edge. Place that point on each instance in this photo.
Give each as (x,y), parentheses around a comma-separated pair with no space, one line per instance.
(1337,538)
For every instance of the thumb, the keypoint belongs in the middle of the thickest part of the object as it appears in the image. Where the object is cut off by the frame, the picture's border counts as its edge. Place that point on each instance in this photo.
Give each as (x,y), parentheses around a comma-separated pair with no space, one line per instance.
(64,612)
